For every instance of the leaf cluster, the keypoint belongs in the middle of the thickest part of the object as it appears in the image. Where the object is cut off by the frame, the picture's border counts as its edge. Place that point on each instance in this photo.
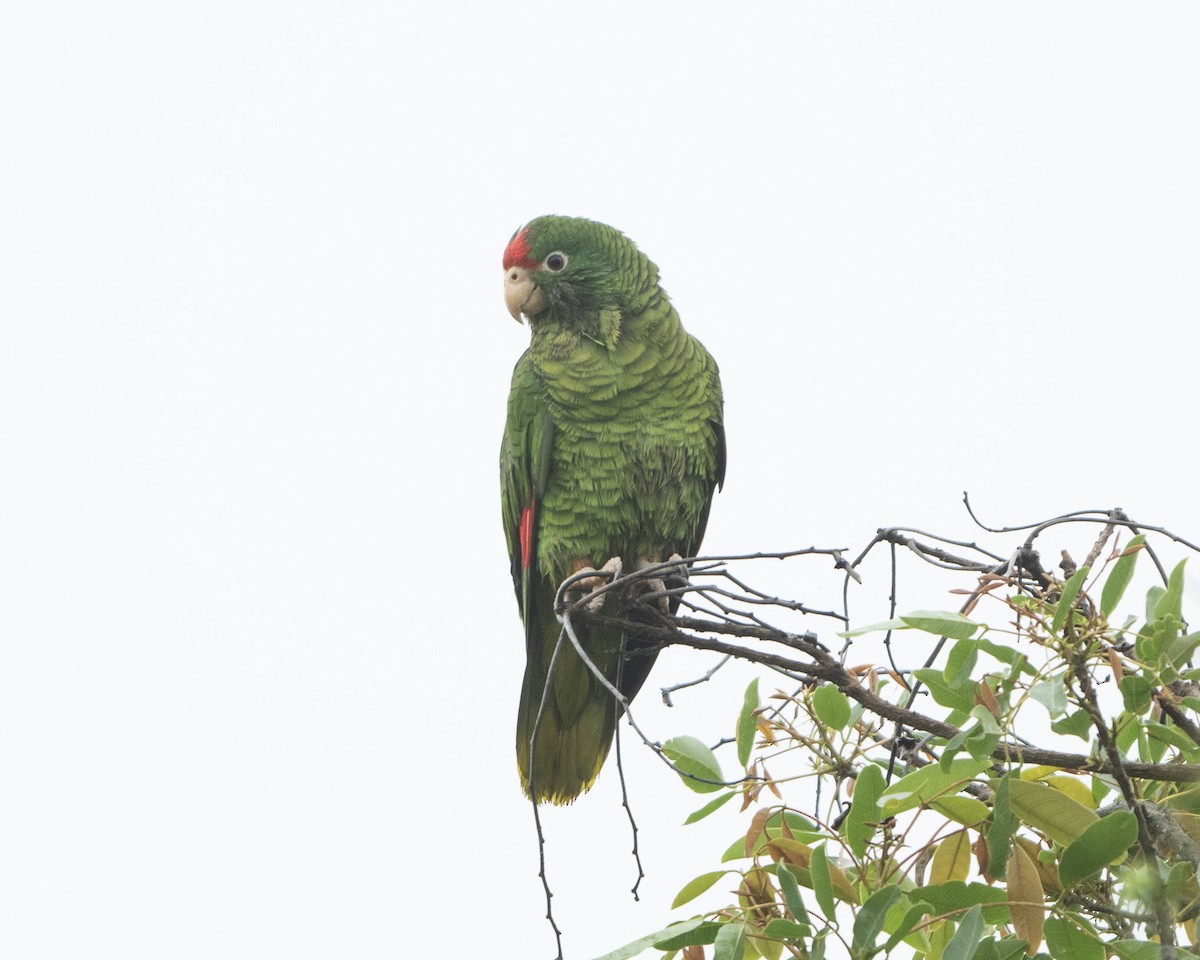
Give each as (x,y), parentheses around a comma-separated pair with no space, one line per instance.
(947,824)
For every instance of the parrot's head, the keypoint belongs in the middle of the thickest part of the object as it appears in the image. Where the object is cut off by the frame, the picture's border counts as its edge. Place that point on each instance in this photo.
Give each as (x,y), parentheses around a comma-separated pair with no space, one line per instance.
(568,268)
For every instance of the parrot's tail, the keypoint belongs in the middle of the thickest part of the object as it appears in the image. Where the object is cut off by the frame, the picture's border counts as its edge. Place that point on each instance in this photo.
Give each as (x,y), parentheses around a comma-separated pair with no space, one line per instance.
(560,752)
(578,714)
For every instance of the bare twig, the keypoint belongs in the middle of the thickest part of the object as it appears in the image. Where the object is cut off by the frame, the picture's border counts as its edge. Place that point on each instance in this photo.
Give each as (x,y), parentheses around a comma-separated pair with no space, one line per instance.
(667,691)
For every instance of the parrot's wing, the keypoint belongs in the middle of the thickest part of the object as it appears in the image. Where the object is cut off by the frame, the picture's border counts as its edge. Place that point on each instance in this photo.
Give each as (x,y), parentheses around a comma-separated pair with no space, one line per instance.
(716,481)
(575,729)
(524,467)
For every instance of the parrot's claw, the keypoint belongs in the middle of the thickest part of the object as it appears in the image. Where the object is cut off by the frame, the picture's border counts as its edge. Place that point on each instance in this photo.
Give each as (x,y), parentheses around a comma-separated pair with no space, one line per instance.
(670,579)
(681,569)
(593,585)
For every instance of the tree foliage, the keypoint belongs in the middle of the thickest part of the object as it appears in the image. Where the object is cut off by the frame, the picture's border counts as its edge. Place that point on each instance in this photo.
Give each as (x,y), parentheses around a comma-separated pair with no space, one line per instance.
(1030,788)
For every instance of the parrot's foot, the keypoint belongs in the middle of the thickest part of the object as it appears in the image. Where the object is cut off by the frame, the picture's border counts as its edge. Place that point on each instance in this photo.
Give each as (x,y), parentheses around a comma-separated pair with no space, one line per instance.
(593,585)
(670,579)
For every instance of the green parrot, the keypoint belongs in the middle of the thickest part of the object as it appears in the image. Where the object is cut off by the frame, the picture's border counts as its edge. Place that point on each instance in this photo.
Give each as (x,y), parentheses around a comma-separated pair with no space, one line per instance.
(613,447)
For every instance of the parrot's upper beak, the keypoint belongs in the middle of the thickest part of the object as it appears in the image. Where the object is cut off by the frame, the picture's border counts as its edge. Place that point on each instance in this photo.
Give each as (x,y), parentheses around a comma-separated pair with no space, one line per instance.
(521,294)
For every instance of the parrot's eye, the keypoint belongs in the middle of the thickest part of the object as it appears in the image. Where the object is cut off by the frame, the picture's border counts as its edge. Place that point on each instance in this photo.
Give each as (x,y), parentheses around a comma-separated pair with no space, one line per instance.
(556,261)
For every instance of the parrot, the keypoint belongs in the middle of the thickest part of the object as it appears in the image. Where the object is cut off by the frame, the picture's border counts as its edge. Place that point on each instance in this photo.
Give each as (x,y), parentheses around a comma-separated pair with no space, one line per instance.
(613,447)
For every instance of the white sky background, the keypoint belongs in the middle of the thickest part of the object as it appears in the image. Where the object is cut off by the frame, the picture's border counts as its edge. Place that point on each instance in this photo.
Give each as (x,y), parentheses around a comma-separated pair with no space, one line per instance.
(260,655)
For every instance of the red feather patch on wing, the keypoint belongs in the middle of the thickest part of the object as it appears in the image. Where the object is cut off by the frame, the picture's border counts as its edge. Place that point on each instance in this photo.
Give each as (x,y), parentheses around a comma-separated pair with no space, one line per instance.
(516,254)
(527,536)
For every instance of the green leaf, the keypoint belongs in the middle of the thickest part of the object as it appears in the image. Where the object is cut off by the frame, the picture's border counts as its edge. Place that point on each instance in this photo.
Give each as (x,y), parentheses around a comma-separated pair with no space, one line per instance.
(633,949)
(1001,829)
(693,759)
(928,783)
(1170,604)
(987,722)
(1066,600)
(1006,654)
(1005,949)
(1077,724)
(1182,875)
(902,928)
(956,895)
(693,888)
(1128,727)
(938,935)
(1136,690)
(1155,638)
(965,942)
(1051,694)
(791,892)
(863,819)
(737,849)
(831,706)
(1061,818)
(1065,941)
(1180,650)
(960,662)
(1144,950)
(965,810)
(953,748)
(881,627)
(981,744)
(690,933)
(1104,842)
(942,623)
(710,807)
(642,944)
(1150,750)
(757,946)
(787,930)
(1122,573)
(1174,737)
(1136,950)
(869,921)
(1153,596)
(747,723)
(822,882)
(960,696)
(730,941)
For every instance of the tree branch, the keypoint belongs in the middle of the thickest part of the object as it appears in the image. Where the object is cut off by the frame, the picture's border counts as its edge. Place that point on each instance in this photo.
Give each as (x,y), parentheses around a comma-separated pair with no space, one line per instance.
(823,666)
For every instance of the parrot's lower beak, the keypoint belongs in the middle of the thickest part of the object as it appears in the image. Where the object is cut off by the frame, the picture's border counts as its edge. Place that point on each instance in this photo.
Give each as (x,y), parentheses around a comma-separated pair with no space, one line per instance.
(521,294)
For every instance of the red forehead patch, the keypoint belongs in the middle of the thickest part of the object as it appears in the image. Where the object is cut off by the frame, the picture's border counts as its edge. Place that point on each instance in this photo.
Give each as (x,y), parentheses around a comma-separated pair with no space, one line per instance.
(516,254)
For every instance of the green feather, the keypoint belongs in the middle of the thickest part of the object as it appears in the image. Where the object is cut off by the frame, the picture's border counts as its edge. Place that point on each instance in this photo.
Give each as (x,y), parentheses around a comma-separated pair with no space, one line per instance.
(615,439)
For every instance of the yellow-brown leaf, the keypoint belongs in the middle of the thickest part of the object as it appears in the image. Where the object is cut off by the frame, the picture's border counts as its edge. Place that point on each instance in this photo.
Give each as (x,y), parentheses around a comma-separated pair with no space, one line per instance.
(771,784)
(757,895)
(980,849)
(985,696)
(1114,661)
(952,861)
(1047,872)
(756,828)
(793,851)
(1026,899)
(1075,789)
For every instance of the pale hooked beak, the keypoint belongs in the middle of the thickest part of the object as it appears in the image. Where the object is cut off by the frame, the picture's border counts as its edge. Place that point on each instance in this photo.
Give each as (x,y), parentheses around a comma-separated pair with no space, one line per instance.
(521,294)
